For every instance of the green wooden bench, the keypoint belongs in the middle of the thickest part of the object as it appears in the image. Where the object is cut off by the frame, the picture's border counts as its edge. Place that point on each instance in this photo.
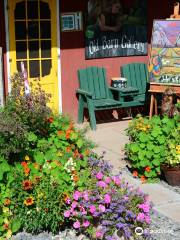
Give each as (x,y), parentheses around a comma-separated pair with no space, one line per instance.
(94,93)
(137,78)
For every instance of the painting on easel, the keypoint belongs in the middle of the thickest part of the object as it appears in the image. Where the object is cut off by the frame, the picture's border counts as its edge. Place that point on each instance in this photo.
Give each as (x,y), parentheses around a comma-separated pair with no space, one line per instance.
(164,66)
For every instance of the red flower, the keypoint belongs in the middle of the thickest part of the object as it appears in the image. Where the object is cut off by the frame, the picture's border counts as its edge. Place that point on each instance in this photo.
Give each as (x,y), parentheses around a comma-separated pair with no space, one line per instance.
(135,174)
(24,164)
(5,226)
(27,185)
(143,179)
(50,119)
(148,169)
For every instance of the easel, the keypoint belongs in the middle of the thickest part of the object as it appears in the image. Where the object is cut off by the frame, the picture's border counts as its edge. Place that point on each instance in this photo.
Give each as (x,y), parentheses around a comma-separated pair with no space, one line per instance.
(176,14)
(156,88)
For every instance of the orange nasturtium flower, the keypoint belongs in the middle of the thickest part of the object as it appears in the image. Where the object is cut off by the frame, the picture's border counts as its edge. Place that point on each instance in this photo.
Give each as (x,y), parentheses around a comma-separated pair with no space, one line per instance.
(29,201)
(27,185)
(24,164)
(27,171)
(143,179)
(60,132)
(75,178)
(68,132)
(68,149)
(7,202)
(148,169)
(135,174)
(36,166)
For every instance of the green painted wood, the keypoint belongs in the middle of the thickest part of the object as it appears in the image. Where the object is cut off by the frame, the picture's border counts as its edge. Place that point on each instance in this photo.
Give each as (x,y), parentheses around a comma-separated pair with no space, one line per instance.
(137,76)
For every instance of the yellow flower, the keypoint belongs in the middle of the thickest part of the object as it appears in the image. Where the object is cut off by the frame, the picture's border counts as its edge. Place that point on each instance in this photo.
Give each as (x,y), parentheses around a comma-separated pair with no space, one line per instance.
(29,201)
(9,234)
(59,154)
(5,209)
(27,158)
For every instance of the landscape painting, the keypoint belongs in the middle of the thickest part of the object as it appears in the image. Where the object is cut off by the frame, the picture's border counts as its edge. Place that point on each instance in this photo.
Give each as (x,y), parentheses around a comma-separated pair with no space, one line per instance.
(164,66)
(116,28)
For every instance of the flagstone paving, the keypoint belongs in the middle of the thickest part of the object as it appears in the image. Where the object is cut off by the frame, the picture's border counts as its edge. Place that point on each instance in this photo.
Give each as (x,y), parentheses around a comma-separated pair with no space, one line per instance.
(111,138)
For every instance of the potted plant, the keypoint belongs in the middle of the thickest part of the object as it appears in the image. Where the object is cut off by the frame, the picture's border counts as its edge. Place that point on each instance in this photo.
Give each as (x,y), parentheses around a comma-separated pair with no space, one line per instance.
(171,166)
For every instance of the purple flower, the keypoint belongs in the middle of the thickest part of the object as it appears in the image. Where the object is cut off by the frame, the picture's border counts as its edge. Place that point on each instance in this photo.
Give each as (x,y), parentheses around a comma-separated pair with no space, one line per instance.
(99,234)
(92,209)
(76,195)
(140,217)
(76,224)
(107,198)
(86,223)
(67,214)
(99,175)
(102,208)
(86,196)
(102,184)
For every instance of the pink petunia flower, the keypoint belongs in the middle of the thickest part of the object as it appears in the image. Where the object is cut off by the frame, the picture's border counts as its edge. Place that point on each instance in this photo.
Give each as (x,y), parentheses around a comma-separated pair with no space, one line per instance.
(99,234)
(102,184)
(76,225)
(107,198)
(140,217)
(86,223)
(76,195)
(92,209)
(107,180)
(147,219)
(67,214)
(86,196)
(74,204)
(145,207)
(102,208)
(99,175)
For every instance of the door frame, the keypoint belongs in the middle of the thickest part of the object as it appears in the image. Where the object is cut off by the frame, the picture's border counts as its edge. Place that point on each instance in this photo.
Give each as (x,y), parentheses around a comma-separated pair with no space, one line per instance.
(58,51)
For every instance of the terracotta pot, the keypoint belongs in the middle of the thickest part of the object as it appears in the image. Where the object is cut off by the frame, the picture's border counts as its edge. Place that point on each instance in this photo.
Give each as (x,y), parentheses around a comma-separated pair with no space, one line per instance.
(172,175)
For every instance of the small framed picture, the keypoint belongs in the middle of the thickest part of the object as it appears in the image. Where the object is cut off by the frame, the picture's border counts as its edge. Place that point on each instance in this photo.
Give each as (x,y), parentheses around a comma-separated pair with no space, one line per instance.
(71,21)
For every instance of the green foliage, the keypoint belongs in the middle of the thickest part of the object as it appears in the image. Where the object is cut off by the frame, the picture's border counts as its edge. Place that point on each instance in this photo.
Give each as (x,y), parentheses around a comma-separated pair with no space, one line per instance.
(21,116)
(35,189)
(148,145)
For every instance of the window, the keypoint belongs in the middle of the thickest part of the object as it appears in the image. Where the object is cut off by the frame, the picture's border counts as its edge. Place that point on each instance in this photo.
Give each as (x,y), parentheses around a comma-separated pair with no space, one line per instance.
(71,22)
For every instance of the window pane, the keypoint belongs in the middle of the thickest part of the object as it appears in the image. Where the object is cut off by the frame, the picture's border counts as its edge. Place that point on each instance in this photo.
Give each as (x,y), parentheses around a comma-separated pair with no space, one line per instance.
(46,67)
(44,10)
(33,30)
(33,49)
(20,30)
(19,12)
(46,49)
(21,50)
(32,8)
(45,29)
(34,69)
(18,64)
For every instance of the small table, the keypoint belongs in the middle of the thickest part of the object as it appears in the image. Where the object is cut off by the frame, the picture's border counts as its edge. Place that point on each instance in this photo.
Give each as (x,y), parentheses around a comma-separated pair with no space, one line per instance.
(159,88)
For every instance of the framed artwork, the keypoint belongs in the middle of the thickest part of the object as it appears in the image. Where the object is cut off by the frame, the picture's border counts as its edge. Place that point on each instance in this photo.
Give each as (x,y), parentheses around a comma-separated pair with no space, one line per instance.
(1,81)
(116,28)
(164,65)
(71,22)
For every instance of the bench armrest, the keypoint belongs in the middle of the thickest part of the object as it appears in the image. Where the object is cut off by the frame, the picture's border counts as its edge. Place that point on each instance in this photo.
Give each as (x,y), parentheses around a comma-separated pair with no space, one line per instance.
(80,91)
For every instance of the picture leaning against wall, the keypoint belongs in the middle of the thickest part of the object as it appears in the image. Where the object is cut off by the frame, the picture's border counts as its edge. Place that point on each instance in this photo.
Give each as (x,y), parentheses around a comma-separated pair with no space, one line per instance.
(164,65)
(116,28)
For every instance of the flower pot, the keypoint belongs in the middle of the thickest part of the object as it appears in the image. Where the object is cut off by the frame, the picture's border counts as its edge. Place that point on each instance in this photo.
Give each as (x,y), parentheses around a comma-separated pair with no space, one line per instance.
(172,175)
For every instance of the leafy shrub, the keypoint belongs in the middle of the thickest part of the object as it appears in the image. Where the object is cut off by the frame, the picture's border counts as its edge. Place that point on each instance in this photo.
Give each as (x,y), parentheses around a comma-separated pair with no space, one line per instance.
(148,144)
(22,115)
